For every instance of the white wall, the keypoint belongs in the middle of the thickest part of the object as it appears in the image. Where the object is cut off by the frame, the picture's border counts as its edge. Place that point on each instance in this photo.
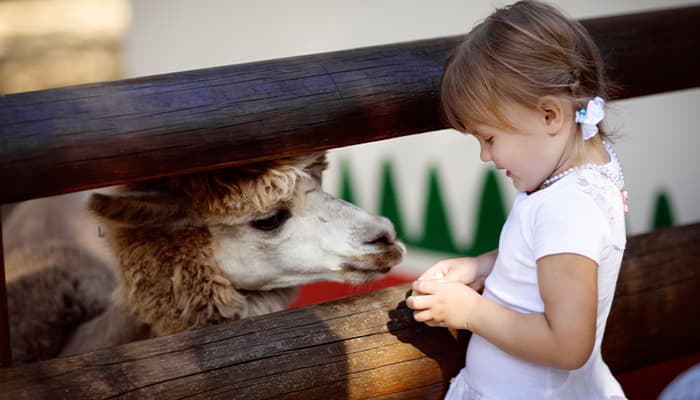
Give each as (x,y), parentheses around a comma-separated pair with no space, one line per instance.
(659,134)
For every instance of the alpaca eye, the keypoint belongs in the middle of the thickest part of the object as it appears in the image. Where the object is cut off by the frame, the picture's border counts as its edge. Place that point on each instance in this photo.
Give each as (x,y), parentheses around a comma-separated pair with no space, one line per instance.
(272,222)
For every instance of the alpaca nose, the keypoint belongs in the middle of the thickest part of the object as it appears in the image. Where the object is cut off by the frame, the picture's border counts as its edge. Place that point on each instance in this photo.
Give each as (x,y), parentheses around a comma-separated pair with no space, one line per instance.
(385,233)
(382,238)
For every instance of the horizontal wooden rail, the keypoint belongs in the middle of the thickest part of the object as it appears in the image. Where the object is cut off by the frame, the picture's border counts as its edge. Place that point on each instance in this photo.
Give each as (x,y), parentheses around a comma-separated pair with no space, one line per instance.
(5,350)
(81,137)
(367,345)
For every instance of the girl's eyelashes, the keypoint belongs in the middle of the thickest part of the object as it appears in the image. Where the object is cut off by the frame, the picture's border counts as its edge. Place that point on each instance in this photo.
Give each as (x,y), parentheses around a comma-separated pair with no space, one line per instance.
(489,140)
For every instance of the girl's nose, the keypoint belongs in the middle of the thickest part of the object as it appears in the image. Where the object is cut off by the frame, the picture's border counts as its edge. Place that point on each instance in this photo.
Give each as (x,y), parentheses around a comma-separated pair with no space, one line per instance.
(484,154)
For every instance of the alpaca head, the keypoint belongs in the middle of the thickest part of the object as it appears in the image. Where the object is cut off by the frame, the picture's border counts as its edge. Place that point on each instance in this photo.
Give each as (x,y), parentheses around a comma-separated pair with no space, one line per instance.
(267,226)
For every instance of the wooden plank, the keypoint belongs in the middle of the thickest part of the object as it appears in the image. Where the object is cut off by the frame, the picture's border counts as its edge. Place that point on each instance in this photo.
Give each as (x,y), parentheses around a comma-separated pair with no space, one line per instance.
(656,312)
(365,346)
(643,55)
(5,349)
(81,137)
(343,349)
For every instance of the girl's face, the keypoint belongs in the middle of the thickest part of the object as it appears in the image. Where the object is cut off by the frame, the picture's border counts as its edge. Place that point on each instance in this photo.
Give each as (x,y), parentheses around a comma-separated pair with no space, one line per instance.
(530,153)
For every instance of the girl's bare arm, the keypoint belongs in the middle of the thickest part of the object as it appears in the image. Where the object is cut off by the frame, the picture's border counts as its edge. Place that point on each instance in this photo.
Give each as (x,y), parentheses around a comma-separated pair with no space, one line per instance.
(563,336)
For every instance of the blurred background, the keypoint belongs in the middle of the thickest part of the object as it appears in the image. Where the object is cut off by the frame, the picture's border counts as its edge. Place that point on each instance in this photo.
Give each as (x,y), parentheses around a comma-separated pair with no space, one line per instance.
(442,199)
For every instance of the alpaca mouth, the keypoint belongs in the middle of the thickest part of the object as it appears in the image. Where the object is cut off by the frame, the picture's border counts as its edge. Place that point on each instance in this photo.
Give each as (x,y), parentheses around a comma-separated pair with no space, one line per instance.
(381,261)
(364,269)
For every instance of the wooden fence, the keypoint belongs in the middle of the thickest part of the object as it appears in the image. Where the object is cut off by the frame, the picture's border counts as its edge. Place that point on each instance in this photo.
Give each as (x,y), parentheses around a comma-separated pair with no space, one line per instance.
(82,137)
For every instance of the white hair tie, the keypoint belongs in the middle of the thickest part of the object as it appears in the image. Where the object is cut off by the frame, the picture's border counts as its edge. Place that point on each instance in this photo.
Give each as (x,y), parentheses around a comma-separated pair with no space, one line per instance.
(590,116)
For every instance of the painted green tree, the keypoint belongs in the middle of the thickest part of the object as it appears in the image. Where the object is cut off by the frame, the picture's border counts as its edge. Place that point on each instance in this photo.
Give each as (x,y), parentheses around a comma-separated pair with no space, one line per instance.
(436,234)
(388,202)
(663,215)
(346,190)
(491,216)
(490,212)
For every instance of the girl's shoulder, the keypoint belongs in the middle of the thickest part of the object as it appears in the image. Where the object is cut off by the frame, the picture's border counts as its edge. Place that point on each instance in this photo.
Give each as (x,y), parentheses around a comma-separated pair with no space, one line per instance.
(582,188)
(569,199)
(587,199)
(599,185)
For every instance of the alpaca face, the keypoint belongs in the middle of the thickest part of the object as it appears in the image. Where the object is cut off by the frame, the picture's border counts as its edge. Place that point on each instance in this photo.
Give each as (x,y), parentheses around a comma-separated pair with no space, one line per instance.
(261,227)
(313,236)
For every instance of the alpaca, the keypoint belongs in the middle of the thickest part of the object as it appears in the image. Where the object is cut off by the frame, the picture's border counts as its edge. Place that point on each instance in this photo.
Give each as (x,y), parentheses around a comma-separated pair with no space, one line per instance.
(57,271)
(202,248)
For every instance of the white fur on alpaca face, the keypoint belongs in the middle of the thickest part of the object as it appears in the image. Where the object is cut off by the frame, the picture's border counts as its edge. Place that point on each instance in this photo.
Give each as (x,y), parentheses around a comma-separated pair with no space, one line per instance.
(324,238)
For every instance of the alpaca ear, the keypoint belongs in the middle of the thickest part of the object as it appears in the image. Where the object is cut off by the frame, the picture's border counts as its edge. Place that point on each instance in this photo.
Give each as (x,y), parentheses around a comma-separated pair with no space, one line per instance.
(137,209)
(317,166)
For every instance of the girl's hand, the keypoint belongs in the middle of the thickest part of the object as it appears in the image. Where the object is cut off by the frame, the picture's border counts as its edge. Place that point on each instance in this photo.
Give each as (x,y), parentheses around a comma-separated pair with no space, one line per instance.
(443,303)
(464,270)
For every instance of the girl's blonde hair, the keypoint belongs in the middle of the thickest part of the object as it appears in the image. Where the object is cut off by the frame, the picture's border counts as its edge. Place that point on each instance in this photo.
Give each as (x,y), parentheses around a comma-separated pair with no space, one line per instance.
(520,54)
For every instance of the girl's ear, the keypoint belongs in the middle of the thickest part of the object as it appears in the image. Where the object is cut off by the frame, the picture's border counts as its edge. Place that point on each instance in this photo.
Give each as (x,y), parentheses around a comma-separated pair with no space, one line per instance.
(553,115)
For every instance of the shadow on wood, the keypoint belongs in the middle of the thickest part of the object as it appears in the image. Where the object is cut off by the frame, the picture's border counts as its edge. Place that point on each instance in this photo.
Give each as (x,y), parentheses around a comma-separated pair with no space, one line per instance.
(356,347)
(655,314)
(366,345)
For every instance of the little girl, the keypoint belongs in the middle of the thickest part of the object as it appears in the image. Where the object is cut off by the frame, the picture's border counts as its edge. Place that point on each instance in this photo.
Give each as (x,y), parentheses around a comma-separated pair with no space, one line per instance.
(528,84)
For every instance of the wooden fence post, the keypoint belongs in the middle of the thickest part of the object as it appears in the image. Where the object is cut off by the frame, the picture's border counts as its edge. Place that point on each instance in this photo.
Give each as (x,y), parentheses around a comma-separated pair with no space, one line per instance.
(5,349)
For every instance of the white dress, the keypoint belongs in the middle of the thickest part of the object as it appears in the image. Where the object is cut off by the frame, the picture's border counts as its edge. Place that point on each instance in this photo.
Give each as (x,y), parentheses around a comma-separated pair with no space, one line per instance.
(583,213)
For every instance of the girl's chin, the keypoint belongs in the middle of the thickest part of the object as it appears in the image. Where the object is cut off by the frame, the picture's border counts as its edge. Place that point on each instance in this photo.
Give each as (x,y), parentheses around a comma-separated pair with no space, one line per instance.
(522,187)
(514,180)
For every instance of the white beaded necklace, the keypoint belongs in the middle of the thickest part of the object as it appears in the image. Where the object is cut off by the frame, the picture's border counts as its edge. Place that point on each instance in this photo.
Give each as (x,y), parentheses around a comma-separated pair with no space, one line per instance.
(611,170)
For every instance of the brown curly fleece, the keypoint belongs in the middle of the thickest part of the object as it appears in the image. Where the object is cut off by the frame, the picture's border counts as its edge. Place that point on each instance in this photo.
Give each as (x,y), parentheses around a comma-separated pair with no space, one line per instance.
(168,277)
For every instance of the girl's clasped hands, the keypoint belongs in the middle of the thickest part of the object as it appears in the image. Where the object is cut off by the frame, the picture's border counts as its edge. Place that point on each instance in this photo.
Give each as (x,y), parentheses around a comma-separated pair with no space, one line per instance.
(448,292)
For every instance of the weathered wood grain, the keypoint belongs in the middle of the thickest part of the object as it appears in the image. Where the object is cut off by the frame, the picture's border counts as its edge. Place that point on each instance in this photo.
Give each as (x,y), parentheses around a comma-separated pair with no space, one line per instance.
(366,346)
(656,312)
(349,348)
(5,352)
(80,137)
